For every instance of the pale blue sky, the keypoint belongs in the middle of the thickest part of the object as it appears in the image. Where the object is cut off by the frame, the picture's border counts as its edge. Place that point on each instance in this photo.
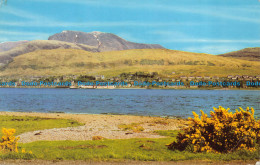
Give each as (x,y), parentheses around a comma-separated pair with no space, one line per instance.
(208,26)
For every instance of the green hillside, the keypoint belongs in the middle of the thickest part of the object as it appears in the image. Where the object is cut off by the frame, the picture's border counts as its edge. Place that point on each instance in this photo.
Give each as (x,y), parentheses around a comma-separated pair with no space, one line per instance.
(163,61)
(30,46)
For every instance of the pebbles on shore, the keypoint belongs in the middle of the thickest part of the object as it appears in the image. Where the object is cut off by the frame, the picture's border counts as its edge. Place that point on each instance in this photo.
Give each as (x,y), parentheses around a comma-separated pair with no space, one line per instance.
(98,125)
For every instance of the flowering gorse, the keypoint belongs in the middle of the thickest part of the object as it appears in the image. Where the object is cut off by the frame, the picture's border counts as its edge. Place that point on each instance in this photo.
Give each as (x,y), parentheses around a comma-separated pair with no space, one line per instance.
(8,141)
(222,132)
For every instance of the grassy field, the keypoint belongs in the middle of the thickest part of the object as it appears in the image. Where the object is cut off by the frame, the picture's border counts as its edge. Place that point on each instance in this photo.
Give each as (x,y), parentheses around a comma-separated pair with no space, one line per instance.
(128,149)
(27,124)
(76,62)
(132,149)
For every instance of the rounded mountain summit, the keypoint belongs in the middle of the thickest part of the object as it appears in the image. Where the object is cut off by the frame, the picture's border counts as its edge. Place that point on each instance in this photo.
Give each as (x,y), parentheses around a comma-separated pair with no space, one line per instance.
(101,41)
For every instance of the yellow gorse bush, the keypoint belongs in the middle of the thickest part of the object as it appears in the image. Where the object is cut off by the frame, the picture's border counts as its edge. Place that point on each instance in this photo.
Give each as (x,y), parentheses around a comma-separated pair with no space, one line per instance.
(222,132)
(8,141)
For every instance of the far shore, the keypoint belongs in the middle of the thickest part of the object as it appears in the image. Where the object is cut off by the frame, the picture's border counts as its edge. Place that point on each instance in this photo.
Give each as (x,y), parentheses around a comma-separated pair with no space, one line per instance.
(106,126)
(154,88)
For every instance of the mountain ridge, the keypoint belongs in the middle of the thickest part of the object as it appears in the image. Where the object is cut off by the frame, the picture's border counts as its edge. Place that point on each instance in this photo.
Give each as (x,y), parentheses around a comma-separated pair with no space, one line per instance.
(93,42)
(103,41)
(5,46)
(251,54)
(7,56)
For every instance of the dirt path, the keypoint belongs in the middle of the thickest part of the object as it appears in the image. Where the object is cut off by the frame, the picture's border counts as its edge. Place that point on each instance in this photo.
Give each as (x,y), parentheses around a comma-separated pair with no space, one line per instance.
(98,125)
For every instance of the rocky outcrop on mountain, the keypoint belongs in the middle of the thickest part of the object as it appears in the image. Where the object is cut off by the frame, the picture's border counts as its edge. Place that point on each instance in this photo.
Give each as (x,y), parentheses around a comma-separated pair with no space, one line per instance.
(102,41)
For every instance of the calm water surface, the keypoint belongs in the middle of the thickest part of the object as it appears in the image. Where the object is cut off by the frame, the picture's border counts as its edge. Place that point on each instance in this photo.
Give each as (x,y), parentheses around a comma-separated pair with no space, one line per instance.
(131,101)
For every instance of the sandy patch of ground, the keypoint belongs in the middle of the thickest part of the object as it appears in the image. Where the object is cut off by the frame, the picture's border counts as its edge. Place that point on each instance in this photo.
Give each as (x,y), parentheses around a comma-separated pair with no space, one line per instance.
(98,125)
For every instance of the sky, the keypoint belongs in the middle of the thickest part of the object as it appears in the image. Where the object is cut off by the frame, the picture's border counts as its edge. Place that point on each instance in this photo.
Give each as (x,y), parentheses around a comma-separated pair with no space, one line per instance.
(203,26)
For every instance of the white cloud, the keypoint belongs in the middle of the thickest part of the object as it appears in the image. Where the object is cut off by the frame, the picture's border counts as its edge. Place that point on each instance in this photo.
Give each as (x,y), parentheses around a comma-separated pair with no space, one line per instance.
(251,9)
(214,11)
(82,2)
(130,37)
(212,49)
(208,10)
(48,23)
(22,33)
(169,36)
(201,40)
(69,1)
(177,36)
(23,14)
(3,39)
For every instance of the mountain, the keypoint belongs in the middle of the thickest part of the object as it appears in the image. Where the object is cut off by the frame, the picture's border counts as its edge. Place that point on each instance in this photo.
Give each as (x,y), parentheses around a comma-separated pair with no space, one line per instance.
(26,47)
(5,46)
(102,41)
(93,42)
(251,54)
(113,63)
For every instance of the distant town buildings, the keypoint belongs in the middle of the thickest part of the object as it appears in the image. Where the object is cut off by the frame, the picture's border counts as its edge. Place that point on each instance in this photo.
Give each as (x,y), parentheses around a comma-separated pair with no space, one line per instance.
(138,76)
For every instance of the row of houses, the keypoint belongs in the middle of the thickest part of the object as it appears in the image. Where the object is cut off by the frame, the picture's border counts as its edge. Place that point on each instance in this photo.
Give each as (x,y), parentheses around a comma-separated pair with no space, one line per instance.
(198,78)
(157,78)
(230,77)
(185,78)
(243,77)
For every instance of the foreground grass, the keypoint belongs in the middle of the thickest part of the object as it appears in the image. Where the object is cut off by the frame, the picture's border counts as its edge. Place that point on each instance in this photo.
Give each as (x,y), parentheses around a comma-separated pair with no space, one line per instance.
(26,124)
(171,133)
(131,149)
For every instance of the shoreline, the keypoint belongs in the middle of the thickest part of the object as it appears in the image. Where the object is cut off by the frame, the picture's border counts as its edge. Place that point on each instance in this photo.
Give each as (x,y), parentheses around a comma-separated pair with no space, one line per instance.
(105,114)
(74,116)
(107,126)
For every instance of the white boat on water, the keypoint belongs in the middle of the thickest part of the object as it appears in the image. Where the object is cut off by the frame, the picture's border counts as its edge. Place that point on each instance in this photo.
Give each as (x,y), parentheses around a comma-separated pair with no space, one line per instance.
(97,87)
(73,87)
(105,87)
(87,87)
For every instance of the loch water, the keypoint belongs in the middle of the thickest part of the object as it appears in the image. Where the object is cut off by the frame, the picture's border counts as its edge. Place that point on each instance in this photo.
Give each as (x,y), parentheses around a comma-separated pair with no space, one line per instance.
(147,102)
